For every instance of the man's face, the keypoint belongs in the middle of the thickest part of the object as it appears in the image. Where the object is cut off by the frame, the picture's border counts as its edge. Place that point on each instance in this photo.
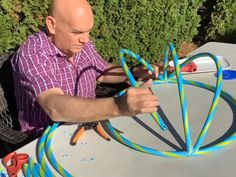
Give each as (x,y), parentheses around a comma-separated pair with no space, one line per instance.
(72,34)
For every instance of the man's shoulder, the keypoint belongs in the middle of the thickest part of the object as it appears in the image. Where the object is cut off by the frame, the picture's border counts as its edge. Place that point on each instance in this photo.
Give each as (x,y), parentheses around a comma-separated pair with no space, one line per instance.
(89,46)
(91,55)
(89,50)
(35,44)
(30,51)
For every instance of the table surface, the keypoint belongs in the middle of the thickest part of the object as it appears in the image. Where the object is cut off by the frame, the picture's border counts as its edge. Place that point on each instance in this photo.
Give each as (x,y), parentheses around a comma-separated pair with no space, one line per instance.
(94,156)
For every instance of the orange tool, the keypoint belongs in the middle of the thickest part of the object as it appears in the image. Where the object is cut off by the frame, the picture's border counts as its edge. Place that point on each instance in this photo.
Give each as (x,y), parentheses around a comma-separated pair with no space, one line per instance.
(87,126)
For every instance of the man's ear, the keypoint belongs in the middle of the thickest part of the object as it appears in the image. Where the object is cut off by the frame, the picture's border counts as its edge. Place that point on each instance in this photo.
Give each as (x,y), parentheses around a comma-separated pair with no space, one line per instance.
(51,24)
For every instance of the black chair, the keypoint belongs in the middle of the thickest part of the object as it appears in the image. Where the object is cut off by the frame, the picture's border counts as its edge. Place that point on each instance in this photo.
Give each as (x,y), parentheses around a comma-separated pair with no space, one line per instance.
(10,136)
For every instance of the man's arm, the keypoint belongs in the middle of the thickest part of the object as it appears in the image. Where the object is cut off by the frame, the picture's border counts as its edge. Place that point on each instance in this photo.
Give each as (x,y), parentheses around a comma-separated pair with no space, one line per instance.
(64,108)
(115,74)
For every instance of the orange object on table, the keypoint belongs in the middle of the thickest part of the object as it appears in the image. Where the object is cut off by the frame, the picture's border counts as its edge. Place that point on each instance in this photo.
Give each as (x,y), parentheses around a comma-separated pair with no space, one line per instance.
(14,163)
(86,126)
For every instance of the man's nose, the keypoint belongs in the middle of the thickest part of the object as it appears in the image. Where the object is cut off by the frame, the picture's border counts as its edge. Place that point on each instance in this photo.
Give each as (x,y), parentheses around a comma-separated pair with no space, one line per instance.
(84,38)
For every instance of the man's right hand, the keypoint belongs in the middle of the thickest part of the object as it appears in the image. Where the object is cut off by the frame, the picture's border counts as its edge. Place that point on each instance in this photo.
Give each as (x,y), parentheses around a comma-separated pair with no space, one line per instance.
(138,100)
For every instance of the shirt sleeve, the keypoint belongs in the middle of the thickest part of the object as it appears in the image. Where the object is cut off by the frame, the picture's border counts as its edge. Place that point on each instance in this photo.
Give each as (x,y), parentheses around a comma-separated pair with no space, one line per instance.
(97,61)
(36,74)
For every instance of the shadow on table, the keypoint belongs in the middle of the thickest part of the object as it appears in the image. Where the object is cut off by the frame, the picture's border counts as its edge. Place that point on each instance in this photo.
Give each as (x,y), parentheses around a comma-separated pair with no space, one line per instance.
(230,131)
(176,135)
(171,129)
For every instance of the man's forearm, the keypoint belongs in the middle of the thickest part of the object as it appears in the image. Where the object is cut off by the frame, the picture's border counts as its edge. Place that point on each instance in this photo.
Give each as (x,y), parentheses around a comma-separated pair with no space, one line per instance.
(114,74)
(64,108)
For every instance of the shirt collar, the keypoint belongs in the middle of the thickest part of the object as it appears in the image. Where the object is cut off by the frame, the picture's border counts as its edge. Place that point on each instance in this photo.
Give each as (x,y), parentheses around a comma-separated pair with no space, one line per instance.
(48,45)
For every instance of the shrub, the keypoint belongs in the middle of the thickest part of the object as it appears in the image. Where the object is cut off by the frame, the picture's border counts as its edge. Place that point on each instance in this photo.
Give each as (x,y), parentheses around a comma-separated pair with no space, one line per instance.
(223,23)
(18,19)
(6,39)
(143,26)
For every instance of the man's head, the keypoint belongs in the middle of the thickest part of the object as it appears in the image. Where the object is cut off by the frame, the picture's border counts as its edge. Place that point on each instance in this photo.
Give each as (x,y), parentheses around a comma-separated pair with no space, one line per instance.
(69,23)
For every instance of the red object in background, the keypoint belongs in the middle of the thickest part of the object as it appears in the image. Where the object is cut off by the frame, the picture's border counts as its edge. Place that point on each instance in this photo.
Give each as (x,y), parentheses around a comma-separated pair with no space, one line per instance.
(190,67)
(14,163)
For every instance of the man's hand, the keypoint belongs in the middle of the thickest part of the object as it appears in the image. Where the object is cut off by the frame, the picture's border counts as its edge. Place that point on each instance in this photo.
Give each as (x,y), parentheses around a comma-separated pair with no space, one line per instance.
(144,74)
(138,100)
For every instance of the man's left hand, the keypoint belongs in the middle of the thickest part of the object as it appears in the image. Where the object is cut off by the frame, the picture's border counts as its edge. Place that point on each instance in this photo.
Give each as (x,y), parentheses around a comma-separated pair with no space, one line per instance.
(143,73)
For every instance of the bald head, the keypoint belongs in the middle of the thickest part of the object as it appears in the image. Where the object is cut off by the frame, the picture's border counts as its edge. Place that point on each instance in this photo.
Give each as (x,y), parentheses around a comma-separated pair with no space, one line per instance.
(69,8)
(68,17)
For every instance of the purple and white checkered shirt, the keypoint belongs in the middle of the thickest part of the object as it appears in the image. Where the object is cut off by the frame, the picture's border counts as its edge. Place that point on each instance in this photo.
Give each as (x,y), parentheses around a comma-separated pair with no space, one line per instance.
(38,65)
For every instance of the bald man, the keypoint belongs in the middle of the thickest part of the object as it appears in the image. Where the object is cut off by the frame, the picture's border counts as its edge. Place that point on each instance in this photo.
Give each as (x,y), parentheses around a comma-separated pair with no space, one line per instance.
(56,71)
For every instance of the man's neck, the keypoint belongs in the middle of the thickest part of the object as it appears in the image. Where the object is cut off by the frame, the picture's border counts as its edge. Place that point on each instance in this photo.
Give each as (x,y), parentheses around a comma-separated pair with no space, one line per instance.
(71,57)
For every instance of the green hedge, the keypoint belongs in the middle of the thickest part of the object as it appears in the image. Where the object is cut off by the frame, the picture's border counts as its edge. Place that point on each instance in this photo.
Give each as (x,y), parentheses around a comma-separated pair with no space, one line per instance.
(223,23)
(6,39)
(18,19)
(143,26)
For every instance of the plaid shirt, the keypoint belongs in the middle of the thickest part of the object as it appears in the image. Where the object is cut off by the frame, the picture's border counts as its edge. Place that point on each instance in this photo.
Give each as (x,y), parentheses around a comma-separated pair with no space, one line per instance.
(38,65)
